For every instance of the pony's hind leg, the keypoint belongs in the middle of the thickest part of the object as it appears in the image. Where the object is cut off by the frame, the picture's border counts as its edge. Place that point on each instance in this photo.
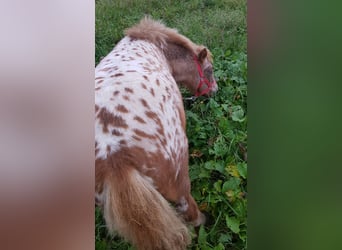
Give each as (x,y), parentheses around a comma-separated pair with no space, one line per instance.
(178,193)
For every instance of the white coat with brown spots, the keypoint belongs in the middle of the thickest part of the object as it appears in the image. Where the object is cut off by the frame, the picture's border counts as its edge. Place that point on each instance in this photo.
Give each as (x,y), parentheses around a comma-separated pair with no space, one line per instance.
(140,141)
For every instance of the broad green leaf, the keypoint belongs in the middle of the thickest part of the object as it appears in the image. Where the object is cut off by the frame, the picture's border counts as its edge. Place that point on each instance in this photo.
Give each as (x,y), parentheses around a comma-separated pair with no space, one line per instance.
(202,236)
(220,246)
(243,236)
(242,168)
(233,171)
(225,107)
(210,165)
(240,208)
(204,174)
(218,185)
(231,195)
(228,53)
(225,238)
(233,224)
(223,125)
(219,166)
(237,113)
(219,148)
(232,184)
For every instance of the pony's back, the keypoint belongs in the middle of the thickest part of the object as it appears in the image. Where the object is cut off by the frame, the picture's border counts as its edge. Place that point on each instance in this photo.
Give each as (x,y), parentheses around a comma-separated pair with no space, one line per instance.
(135,89)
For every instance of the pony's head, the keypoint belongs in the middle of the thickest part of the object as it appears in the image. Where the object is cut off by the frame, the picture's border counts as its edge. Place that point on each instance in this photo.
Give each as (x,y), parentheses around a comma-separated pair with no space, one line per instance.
(193,69)
(205,83)
(191,64)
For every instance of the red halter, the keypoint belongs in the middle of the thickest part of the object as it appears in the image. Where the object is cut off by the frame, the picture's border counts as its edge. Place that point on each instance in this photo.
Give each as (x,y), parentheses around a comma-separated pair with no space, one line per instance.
(203,80)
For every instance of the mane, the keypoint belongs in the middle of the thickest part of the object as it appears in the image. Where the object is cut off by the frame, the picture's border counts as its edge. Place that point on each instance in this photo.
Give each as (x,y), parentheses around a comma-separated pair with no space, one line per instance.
(160,35)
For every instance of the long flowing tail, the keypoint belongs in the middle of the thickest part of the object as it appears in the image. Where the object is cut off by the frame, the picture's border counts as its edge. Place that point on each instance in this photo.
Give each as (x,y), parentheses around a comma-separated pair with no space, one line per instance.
(139,213)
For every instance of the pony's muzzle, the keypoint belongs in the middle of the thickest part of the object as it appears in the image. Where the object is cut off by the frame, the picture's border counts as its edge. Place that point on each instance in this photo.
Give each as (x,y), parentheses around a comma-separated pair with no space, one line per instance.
(201,220)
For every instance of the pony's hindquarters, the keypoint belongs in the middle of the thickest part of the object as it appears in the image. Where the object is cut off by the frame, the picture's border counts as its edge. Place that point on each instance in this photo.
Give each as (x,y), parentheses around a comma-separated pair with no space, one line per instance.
(139,213)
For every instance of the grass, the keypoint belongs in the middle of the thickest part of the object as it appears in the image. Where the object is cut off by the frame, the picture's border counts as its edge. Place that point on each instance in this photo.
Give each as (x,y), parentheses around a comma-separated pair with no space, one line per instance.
(216,127)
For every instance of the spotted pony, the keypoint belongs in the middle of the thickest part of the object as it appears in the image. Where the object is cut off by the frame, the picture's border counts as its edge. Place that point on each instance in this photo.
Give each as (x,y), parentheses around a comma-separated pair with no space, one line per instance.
(141,148)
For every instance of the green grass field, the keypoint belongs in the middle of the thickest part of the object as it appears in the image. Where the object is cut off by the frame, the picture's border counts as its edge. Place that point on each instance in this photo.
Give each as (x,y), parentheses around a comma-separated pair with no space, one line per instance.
(216,127)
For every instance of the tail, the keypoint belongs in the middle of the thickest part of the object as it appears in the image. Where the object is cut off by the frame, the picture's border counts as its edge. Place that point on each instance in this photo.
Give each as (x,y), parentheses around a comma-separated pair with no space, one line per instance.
(139,213)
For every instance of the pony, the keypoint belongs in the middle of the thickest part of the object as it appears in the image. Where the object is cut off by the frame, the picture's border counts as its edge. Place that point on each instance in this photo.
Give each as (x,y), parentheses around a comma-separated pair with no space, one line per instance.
(141,149)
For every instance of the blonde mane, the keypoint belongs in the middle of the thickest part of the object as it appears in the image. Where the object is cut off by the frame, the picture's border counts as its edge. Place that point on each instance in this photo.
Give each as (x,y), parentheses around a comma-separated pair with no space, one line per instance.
(160,35)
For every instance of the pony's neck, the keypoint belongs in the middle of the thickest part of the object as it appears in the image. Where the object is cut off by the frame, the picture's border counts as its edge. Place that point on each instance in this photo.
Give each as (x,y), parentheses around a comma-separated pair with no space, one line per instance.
(182,65)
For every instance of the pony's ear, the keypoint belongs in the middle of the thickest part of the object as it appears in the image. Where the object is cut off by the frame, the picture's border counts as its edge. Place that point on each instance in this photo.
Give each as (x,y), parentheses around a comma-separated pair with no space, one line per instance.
(202,55)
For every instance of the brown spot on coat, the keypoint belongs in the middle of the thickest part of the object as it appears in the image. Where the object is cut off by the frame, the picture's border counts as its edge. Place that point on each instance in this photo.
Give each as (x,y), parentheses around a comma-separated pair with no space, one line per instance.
(153,116)
(117,75)
(119,122)
(150,61)
(144,103)
(129,90)
(106,69)
(141,133)
(164,142)
(168,92)
(116,132)
(139,119)
(107,118)
(123,142)
(121,108)
(136,138)
(148,69)
(161,107)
